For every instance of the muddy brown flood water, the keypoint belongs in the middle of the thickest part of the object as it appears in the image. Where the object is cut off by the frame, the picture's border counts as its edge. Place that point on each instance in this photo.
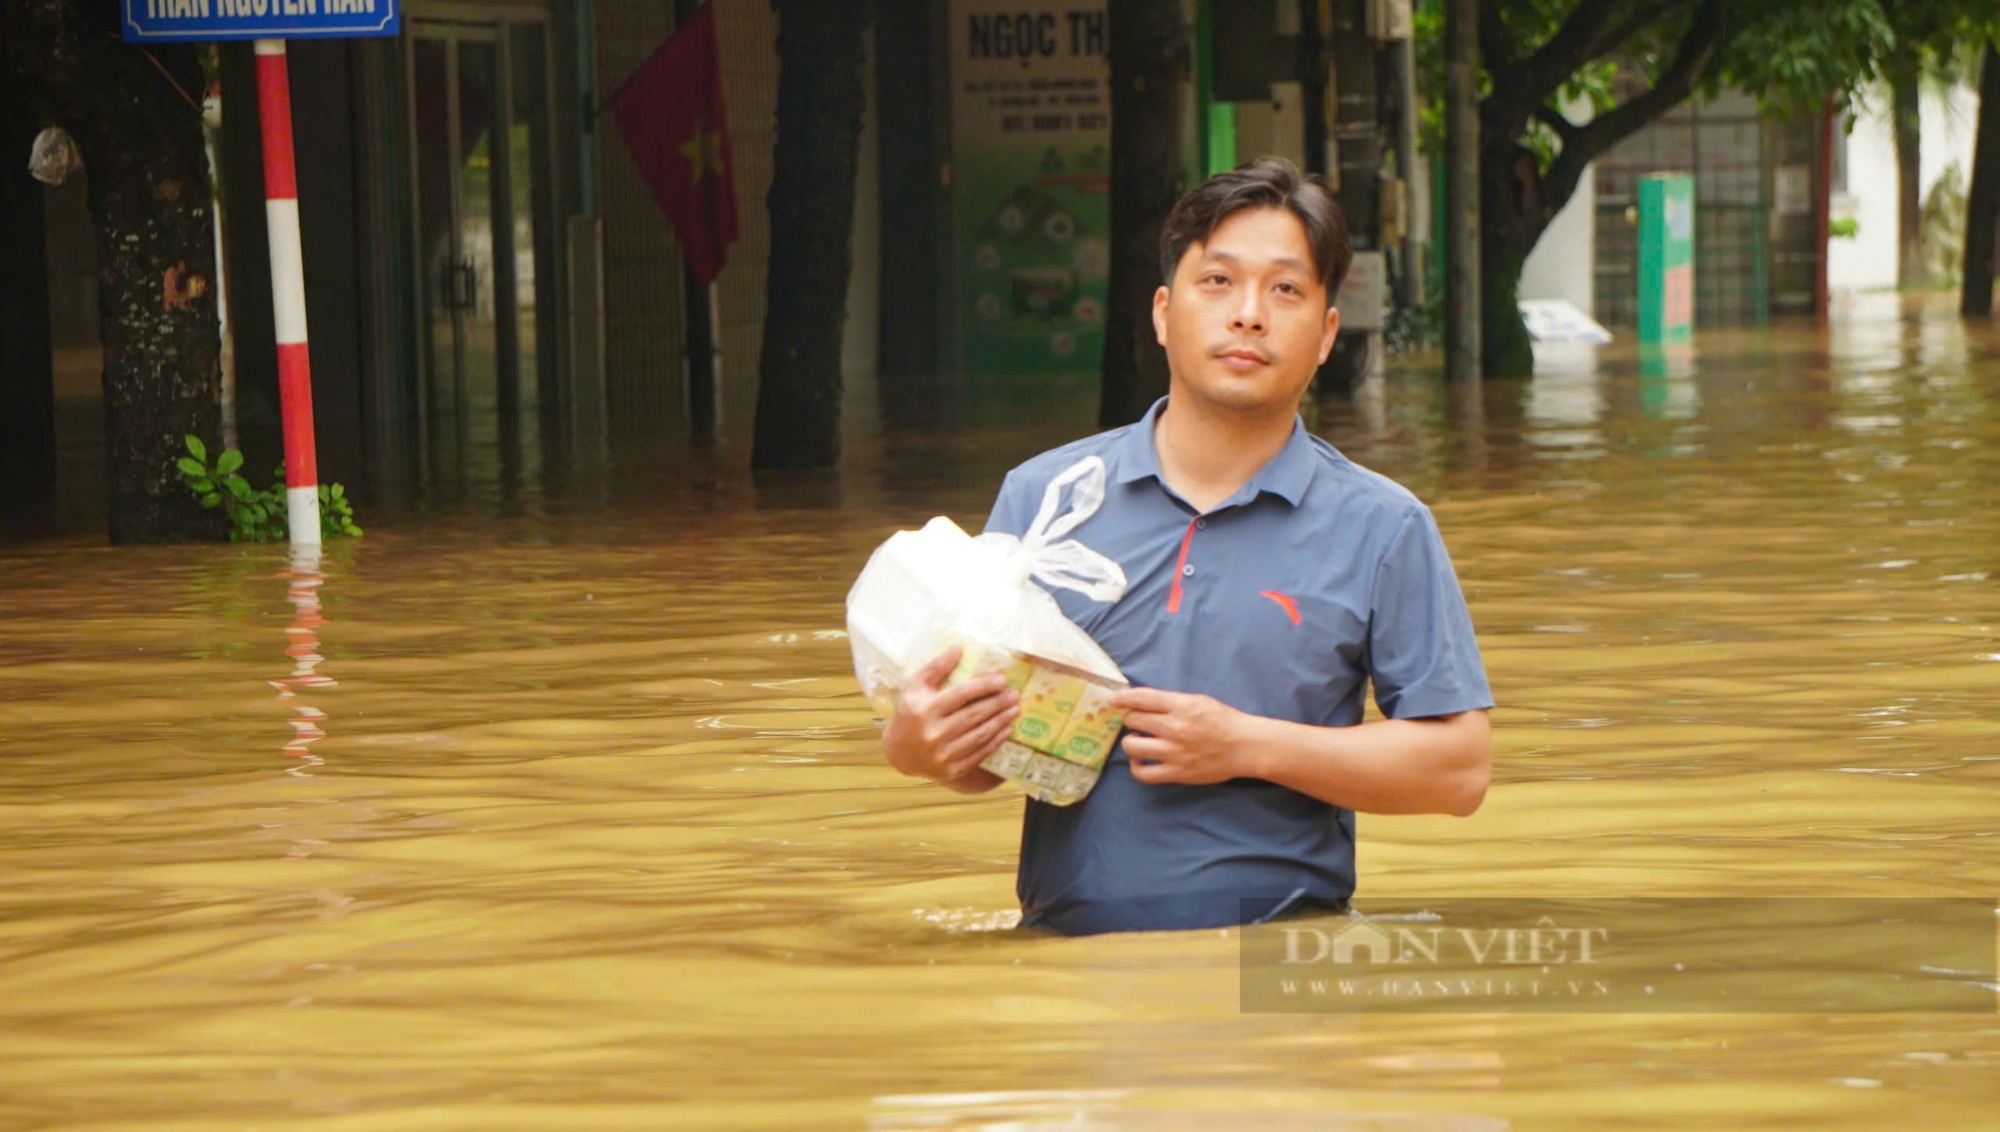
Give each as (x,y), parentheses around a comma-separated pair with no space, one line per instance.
(578,821)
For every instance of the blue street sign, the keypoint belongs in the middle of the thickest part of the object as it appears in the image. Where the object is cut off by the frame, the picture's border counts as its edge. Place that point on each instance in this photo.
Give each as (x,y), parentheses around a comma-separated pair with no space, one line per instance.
(209,21)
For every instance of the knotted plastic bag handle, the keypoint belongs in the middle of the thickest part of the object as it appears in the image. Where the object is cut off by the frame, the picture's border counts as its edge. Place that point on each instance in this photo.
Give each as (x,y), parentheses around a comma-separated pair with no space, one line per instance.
(1069,564)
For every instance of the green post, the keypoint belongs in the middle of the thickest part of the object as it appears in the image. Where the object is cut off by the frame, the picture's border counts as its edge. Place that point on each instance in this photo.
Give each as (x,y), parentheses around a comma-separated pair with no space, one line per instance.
(1215,151)
(1666,258)
(1221,131)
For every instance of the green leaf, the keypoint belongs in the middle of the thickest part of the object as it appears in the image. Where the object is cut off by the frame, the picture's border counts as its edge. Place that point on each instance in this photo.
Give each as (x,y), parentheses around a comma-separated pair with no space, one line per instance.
(190,466)
(229,461)
(200,483)
(211,500)
(339,492)
(238,488)
(199,449)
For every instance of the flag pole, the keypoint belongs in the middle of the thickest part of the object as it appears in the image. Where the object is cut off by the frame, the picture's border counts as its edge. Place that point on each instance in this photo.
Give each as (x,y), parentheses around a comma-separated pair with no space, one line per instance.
(704,368)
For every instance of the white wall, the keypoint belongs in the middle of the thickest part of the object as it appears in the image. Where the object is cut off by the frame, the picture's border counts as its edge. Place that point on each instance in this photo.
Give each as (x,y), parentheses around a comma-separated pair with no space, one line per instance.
(1564,260)
(1868,261)
(1563,264)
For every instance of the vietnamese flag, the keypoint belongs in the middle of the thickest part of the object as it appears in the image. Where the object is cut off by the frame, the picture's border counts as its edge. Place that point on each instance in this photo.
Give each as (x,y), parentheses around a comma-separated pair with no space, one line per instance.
(671,115)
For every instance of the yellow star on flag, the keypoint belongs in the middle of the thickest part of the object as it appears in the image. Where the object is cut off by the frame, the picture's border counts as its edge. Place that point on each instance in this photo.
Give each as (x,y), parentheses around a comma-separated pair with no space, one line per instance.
(703,151)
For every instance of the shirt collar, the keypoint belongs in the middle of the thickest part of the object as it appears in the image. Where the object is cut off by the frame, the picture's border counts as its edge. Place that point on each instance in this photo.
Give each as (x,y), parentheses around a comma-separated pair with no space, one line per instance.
(1287,475)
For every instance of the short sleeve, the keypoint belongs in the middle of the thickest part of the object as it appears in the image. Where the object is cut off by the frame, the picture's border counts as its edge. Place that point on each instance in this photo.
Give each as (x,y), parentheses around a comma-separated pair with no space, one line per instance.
(1010,514)
(1423,658)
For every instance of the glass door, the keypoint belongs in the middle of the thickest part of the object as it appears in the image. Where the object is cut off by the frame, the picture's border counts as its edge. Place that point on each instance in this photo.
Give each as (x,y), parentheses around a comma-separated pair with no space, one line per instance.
(483,228)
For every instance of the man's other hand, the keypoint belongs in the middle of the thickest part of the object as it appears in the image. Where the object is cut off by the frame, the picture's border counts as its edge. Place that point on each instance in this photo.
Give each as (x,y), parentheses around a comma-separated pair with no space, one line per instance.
(1177,737)
(943,734)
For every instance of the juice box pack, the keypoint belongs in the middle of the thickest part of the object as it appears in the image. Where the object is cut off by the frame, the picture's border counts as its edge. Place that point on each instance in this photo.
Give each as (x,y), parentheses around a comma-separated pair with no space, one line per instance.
(1066,728)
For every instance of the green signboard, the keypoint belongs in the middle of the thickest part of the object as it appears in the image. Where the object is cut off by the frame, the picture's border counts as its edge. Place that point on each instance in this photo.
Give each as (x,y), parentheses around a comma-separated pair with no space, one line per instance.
(1666,258)
(1031,178)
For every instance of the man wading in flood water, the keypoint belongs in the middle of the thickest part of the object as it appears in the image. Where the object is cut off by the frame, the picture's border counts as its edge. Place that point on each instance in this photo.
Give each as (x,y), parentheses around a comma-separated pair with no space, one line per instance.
(1270,581)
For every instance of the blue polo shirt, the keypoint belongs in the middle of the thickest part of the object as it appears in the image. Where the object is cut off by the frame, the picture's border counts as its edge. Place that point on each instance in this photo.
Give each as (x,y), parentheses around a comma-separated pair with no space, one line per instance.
(1284,601)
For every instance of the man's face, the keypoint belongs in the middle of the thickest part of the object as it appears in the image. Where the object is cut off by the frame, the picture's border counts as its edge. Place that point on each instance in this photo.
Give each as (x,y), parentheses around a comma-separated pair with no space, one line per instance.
(1245,319)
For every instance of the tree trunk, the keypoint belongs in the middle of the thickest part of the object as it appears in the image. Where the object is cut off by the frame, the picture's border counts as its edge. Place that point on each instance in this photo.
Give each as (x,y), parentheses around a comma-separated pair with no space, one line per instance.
(1503,335)
(1512,218)
(1908,120)
(914,208)
(1463,232)
(1982,200)
(820,102)
(139,130)
(1148,61)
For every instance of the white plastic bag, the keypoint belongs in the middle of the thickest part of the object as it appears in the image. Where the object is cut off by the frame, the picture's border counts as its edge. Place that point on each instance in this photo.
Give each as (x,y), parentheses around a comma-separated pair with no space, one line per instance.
(925,591)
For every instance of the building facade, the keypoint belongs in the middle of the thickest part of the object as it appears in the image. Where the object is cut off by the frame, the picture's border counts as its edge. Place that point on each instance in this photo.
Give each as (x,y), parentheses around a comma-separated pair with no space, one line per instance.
(493,292)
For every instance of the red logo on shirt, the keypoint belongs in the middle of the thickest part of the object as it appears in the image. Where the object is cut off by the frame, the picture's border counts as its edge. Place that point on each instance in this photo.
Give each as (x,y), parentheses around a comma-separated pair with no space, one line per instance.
(1285,603)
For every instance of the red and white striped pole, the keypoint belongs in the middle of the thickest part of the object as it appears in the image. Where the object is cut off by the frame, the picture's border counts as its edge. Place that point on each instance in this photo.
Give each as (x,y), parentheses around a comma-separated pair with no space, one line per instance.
(288,294)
